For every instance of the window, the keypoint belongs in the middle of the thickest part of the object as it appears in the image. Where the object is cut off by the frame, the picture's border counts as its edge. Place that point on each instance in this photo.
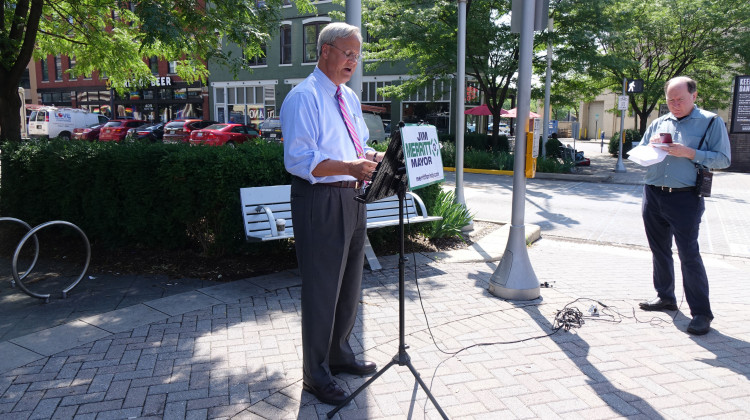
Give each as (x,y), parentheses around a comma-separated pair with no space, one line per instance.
(153,63)
(286,44)
(58,68)
(259,60)
(310,40)
(172,67)
(71,64)
(45,70)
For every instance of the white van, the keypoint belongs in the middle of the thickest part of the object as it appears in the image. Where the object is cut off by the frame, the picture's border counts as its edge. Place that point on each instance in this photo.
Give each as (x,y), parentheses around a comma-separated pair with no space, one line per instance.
(51,122)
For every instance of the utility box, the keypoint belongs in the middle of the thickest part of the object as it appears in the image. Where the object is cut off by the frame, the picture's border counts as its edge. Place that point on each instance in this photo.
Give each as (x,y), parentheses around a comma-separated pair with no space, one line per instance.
(532,151)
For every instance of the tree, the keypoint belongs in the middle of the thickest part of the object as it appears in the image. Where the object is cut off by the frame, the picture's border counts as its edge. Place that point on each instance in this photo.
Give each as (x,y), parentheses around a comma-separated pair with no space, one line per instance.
(424,34)
(115,36)
(658,40)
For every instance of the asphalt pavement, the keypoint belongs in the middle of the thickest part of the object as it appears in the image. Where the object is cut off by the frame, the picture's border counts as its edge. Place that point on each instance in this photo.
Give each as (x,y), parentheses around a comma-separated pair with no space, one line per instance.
(133,346)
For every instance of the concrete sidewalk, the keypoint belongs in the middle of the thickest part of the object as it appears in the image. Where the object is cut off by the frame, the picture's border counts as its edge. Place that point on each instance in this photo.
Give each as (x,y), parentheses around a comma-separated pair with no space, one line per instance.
(187,349)
(233,350)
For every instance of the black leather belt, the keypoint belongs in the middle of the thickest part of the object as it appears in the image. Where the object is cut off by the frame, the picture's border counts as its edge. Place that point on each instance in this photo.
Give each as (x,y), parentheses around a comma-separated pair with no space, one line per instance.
(343,184)
(672,189)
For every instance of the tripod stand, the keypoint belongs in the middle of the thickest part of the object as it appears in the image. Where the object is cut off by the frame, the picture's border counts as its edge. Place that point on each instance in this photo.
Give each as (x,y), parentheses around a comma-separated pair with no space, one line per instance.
(402,358)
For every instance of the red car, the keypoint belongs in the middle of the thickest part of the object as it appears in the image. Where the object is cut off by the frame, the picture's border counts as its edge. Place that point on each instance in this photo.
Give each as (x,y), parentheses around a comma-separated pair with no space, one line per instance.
(178,131)
(224,134)
(116,130)
(90,133)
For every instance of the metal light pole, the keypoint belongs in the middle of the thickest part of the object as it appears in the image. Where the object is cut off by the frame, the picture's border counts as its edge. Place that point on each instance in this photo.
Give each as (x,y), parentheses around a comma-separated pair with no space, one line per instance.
(353,11)
(620,167)
(460,98)
(514,278)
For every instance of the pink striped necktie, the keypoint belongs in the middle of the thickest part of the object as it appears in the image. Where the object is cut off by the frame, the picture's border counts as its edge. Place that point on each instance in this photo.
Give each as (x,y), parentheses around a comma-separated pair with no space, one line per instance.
(349,125)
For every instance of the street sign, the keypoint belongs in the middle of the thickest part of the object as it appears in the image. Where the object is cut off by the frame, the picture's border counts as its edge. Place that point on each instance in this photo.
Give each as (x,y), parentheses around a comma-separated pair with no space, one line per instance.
(622,102)
(635,85)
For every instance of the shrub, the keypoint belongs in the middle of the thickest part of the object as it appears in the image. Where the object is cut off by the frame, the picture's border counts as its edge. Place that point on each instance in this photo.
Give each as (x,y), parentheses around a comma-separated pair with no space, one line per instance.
(632,138)
(553,148)
(455,216)
(553,165)
(136,194)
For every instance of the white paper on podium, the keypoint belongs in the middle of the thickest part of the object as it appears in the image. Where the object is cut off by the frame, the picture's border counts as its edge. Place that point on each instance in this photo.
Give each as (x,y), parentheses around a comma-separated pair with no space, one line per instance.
(646,155)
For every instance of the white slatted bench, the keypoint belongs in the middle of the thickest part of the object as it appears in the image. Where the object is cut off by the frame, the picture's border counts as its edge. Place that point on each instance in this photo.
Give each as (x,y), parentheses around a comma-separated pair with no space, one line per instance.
(261,206)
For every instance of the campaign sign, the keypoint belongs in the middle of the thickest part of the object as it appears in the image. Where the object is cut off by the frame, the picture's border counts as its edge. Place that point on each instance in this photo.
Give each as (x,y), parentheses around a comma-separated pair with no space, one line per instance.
(424,165)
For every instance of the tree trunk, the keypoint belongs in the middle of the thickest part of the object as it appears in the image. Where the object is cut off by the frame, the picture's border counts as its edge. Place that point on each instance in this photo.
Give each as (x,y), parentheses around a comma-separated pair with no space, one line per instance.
(10,113)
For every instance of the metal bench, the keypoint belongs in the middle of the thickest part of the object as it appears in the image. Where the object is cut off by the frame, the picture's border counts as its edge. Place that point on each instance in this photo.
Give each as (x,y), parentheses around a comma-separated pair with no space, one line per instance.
(263,206)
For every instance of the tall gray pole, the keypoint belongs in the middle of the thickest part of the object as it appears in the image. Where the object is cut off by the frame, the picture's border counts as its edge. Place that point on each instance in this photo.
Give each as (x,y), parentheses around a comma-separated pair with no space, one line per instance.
(620,166)
(354,17)
(460,97)
(547,83)
(514,278)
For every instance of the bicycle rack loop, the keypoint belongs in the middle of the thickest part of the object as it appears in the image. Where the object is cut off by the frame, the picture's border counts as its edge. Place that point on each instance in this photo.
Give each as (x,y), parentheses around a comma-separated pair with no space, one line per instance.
(32,233)
(36,244)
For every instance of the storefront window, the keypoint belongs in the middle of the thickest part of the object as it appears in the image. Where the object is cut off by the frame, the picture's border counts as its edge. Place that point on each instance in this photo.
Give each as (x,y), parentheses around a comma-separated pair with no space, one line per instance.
(165,94)
(237,114)
(219,95)
(180,93)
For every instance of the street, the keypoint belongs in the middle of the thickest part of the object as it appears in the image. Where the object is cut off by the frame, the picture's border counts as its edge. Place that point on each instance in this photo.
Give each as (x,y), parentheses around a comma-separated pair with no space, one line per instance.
(608,212)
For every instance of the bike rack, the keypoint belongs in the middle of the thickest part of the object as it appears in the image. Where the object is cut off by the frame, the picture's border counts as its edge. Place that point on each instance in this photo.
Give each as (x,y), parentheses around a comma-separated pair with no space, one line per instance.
(36,244)
(32,234)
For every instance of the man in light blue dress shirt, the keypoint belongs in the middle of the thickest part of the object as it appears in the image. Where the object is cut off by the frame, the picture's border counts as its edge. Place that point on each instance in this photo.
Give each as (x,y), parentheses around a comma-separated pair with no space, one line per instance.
(329,225)
(671,207)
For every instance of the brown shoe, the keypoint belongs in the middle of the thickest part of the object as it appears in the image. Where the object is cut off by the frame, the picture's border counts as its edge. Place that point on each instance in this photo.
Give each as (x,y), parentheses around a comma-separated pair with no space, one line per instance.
(330,393)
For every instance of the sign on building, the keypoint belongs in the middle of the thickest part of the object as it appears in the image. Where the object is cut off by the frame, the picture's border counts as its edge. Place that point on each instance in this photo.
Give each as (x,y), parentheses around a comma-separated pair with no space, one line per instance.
(741,105)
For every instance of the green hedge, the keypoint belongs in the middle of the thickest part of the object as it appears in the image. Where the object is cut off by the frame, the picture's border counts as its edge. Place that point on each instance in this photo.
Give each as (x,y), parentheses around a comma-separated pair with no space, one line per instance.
(140,194)
(150,195)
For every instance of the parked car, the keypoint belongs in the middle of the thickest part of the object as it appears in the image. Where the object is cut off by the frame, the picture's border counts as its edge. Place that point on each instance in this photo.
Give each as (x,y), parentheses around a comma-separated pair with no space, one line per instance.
(90,133)
(147,132)
(503,129)
(51,122)
(116,130)
(270,128)
(178,131)
(223,134)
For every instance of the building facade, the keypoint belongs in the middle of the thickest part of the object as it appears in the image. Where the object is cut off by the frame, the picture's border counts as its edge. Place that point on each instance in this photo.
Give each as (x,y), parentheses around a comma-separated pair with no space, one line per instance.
(291,55)
(169,97)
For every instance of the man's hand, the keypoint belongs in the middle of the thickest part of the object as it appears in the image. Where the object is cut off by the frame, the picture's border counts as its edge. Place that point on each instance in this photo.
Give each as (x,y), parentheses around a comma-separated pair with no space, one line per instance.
(362,169)
(673,149)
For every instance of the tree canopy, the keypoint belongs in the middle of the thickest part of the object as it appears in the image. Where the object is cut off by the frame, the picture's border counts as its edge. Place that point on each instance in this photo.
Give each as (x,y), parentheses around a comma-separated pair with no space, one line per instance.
(656,40)
(114,37)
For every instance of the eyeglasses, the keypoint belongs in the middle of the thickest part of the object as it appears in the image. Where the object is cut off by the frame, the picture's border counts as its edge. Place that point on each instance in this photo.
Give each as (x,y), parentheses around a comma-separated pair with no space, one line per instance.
(351,55)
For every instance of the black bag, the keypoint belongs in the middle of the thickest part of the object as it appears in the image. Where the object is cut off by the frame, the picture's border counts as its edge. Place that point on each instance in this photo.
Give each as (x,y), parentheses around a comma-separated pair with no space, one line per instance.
(705,177)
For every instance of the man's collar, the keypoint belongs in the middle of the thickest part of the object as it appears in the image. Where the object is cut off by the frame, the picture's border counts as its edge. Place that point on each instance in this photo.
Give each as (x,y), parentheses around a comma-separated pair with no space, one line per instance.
(693,114)
(325,82)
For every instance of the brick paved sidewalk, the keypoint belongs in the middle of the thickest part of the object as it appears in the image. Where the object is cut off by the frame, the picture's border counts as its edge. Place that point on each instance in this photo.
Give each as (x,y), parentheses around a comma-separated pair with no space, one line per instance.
(239,355)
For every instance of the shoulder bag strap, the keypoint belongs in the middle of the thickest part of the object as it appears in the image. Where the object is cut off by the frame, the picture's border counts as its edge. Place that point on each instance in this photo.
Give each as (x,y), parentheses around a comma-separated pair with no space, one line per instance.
(710,123)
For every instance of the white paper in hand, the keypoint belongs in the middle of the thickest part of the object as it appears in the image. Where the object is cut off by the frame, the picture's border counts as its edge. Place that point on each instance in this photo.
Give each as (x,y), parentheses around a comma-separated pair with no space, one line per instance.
(646,155)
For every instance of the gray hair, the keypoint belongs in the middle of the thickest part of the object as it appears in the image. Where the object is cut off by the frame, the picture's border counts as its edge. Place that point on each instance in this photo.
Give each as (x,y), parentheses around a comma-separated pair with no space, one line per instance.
(334,31)
(692,86)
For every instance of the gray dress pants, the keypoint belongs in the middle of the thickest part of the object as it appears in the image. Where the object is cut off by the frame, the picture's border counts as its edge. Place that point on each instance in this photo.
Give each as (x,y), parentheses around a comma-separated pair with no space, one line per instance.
(329,233)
